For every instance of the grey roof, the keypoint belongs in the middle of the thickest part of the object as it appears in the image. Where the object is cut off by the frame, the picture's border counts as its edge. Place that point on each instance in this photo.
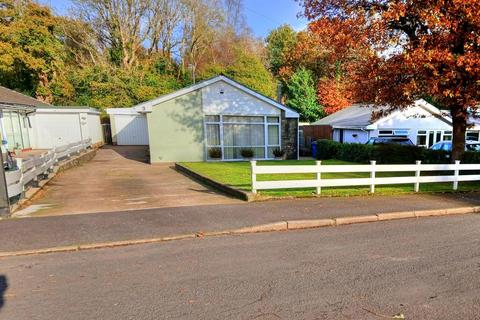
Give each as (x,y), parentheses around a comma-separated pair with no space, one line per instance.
(9,96)
(356,116)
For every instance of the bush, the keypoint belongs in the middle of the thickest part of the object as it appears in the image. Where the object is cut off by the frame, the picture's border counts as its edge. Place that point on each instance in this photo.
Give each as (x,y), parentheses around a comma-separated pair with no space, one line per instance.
(278,153)
(383,153)
(215,153)
(247,153)
(471,157)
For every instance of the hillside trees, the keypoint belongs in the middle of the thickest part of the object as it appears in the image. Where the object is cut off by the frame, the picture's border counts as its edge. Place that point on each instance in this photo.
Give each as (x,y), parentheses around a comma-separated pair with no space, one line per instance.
(117,53)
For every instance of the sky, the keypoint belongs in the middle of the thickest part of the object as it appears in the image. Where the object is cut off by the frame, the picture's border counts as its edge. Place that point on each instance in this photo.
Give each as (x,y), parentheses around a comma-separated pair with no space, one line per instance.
(262,15)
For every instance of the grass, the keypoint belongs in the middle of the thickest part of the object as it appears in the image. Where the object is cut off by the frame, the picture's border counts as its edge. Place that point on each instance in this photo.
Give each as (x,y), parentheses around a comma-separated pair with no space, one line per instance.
(237,175)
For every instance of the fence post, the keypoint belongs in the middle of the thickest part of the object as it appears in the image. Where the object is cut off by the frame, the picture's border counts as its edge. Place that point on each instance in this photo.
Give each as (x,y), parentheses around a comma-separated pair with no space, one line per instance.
(373,163)
(417,175)
(319,176)
(456,173)
(253,164)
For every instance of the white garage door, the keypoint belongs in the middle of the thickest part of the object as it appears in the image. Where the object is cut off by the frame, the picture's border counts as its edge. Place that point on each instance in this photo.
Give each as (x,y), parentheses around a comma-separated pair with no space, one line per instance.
(131,129)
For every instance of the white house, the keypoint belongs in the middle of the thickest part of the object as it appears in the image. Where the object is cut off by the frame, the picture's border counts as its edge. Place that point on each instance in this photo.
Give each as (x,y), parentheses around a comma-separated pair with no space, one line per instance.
(422,123)
(26,123)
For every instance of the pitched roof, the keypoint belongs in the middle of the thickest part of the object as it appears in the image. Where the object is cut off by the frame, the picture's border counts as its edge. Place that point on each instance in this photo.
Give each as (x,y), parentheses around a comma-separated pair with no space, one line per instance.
(355,116)
(12,97)
(147,106)
(360,116)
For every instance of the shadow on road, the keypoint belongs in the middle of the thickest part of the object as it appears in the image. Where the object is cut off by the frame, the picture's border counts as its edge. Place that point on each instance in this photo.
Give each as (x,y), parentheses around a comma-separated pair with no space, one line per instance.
(3,289)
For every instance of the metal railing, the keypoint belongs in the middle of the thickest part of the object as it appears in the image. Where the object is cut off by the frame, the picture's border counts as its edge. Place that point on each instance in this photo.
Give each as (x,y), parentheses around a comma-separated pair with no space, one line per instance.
(36,167)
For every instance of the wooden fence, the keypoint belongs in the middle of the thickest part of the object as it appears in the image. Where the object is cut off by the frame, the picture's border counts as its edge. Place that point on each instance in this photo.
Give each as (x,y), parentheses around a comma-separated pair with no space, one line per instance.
(371,181)
(35,168)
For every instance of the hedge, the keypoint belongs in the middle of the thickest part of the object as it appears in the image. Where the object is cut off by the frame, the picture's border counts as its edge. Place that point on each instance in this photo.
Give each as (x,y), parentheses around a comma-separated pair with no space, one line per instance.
(385,153)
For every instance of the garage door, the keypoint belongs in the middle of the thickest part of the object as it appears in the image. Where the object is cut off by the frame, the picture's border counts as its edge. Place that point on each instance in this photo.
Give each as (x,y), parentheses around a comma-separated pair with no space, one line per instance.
(131,129)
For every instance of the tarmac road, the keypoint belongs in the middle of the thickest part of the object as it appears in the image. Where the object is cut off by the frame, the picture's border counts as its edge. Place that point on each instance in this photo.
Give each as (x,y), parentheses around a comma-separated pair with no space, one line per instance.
(423,268)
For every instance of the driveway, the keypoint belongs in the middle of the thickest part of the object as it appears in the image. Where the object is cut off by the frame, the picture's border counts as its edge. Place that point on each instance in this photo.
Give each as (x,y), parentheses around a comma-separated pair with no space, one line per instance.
(119,178)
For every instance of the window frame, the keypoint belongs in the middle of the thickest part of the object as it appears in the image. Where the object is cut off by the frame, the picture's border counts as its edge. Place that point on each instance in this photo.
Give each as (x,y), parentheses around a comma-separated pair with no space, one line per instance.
(266,124)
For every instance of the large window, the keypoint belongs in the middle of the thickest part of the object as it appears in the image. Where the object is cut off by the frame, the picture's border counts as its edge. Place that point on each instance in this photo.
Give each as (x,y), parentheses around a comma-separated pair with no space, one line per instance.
(231,134)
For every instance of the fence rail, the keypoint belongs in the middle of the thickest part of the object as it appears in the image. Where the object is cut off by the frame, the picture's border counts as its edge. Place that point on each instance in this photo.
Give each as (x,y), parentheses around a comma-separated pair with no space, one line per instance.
(34,168)
(371,181)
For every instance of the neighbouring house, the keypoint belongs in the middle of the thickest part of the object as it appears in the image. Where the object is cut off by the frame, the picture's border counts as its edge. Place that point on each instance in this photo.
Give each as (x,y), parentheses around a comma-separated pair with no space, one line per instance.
(218,114)
(27,123)
(422,123)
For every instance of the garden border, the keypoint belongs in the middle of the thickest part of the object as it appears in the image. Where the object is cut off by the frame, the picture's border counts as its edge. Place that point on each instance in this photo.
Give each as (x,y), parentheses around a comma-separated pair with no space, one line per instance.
(224,188)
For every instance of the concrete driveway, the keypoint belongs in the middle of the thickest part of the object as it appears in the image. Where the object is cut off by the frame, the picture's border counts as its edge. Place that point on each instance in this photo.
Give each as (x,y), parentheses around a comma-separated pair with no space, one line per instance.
(117,179)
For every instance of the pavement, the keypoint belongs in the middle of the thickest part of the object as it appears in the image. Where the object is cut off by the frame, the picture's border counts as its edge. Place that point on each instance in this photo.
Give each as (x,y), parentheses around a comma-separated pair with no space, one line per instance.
(54,231)
(117,179)
(419,268)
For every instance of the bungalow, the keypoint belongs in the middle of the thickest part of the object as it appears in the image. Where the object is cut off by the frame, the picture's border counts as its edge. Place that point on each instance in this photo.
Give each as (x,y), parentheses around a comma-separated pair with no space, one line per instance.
(422,123)
(28,123)
(218,114)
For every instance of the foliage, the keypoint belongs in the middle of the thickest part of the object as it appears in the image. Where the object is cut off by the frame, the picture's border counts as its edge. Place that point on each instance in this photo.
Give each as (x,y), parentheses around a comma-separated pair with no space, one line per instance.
(280,41)
(383,153)
(31,54)
(215,153)
(247,153)
(278,153)
(105,87)
(119,53)
(425,48)
(302,95)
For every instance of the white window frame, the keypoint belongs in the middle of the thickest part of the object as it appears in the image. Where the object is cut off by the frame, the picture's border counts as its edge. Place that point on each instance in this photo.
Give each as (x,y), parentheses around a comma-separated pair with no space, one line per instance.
(221,124)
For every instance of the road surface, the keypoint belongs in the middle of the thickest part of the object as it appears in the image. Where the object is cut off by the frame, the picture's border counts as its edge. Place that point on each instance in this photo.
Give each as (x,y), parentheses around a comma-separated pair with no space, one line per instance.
(422,268)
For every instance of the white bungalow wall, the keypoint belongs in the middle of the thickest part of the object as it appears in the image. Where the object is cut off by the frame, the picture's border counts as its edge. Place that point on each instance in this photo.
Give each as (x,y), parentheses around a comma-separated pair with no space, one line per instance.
(412,119)
(55,128)
(222,98)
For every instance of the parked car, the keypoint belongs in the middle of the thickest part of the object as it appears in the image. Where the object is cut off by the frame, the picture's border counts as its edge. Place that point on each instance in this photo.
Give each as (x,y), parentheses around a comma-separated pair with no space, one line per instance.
(447,146)
(390,140)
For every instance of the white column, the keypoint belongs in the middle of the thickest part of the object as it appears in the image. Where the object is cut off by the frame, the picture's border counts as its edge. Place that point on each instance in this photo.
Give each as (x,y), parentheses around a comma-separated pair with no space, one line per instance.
(456,174)
(372,176)
(253,164)
(319,176)
(417,175)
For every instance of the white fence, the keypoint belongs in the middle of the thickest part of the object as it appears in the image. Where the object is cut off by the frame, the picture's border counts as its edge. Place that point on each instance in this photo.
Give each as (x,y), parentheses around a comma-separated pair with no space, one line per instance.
(34,167)
(372,181)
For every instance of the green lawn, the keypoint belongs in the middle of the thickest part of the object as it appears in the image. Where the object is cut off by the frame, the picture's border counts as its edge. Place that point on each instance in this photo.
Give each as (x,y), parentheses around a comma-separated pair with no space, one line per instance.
(237,175)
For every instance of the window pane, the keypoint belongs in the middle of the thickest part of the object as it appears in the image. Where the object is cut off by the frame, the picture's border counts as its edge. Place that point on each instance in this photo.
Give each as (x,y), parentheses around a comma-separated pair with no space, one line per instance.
(243,135)
(473,135)
(272,119)
(212,118)
(421,140)
(259,152)
(273,138)
(385,132)
(242,119)
(213,134)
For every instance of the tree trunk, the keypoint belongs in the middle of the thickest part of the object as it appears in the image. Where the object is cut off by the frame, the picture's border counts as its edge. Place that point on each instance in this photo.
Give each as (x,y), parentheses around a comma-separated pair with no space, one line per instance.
(459,120)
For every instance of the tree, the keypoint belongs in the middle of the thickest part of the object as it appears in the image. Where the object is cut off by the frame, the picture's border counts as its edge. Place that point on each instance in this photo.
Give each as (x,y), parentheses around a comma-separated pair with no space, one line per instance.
(302,95)
(31,54)
(280,42)
(424,48)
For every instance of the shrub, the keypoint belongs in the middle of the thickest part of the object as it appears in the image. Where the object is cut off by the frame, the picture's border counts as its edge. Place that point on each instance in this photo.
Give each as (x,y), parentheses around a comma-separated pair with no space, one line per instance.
(383,153)
(215,153)
(278,153)
(247,153)
(471,157)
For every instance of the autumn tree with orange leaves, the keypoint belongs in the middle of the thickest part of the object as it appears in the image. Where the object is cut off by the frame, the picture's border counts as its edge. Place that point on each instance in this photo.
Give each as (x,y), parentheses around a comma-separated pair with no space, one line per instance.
(423,49)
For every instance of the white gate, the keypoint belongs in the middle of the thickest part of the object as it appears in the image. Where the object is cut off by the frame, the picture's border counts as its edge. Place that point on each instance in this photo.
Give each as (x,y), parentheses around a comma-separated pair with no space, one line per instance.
(131,129)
